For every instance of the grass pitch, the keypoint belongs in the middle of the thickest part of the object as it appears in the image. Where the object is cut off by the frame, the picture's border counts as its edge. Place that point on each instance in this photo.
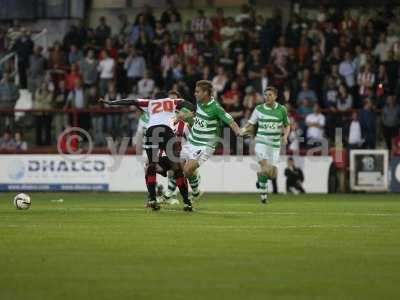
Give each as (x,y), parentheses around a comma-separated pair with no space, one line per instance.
(107,246)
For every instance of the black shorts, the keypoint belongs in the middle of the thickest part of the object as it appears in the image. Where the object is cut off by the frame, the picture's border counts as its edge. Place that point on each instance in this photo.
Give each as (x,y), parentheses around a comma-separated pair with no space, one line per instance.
(160,139)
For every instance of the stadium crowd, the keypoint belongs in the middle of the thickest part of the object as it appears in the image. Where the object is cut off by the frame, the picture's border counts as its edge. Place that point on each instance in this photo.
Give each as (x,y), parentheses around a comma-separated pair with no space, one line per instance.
(332,70)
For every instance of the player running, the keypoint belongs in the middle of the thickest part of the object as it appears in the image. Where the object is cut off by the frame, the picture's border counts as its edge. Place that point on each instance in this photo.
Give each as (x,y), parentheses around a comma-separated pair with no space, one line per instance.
(271,118)
(159,137)
(204,133)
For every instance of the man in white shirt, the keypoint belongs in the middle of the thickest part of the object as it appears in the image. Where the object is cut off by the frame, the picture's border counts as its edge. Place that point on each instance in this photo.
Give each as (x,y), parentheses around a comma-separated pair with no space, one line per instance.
(315,126)
(355,135)
(382,48)
(146,85)
(106,70)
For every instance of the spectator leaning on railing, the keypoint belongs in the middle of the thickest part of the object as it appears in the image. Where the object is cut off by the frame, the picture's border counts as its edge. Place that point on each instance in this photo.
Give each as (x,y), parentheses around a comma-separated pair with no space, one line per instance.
(9,95)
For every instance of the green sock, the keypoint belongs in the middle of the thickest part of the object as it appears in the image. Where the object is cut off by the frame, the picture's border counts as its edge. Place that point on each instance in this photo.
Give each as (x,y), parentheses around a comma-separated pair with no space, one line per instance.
(194,183)
(262,181)
(171,186)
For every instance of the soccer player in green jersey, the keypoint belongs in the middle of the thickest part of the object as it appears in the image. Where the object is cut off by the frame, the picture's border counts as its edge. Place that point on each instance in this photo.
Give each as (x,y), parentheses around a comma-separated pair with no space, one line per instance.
(272,120)
(204,133)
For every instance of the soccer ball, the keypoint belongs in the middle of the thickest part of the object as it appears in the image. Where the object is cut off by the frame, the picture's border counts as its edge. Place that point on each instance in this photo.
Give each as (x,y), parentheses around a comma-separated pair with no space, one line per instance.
(22,201)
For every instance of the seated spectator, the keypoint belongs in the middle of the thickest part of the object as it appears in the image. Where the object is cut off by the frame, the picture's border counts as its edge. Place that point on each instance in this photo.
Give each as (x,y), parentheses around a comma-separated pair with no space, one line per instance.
(7,142)
(294,178)
(306,93)
(20,145)
(201,26)
(146,85)
(315,127)
(295,138)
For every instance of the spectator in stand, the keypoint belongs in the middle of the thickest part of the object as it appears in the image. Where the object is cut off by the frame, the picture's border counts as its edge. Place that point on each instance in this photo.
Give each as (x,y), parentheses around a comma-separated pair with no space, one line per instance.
(226,61)
(219,81)
(345,102)
(7,142)
(112,119)
(43,120)
(9,95)
(174,27)
(36,70)
(74,55)
(106,68)
(390,120)
(92,98)
(382,85)
(135,67)
(141,25)
(72,77)
(60,120)
(103,31)
(166,16)
(368,124)
(218,21)
(307,93)
(315,127)
(146,85)
(365,79)
(331,95)
(77,100)
(201,26)
(20,145)
(228,32)
(24,48)
(88,67)
(57,58)
(280,52)
(355,139)
(72,37)
(252,98)
(124,28)
(347,70)
(382,48)
(232,96)
(191,77)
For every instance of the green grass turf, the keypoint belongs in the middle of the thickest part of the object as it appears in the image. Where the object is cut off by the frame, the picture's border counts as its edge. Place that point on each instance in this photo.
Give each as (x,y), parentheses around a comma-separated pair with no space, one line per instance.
(107,246)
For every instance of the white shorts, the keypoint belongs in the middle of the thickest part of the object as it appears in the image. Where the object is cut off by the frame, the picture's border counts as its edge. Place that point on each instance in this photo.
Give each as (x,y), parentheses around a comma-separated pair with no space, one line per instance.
(199,153)
(268,153)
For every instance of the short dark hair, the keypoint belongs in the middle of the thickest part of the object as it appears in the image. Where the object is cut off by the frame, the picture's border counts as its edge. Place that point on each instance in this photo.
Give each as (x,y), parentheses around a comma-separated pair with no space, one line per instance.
(176,93)
(272,89)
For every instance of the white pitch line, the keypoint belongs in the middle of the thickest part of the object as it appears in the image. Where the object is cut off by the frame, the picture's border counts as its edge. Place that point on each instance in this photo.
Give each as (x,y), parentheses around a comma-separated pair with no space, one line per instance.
(217,212)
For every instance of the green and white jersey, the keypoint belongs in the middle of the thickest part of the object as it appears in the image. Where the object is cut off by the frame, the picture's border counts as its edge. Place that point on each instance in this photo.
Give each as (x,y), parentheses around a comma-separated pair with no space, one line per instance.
(271,121)
(208,124)
(141,129)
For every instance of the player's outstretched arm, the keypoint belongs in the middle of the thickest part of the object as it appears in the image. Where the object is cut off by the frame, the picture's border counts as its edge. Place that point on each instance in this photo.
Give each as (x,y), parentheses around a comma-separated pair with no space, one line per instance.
(235,128)
(125,101)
